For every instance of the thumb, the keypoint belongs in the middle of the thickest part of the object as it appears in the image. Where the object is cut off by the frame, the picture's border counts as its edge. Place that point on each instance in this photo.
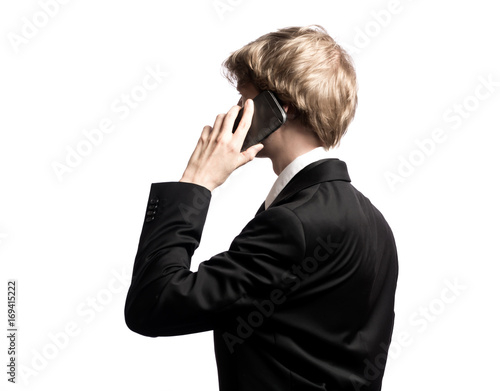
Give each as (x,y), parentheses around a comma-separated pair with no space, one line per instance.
(250,153)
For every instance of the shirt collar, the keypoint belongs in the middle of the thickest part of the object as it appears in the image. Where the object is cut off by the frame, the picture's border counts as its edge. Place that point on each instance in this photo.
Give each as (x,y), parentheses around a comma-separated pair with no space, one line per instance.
(293,168)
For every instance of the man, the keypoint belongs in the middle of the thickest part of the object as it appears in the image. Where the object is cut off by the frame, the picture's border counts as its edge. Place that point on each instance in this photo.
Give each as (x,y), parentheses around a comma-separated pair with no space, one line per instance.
(304,297)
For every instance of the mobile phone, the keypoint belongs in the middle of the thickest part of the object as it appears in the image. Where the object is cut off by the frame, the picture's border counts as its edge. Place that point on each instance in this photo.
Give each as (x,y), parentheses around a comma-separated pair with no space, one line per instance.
(268,116)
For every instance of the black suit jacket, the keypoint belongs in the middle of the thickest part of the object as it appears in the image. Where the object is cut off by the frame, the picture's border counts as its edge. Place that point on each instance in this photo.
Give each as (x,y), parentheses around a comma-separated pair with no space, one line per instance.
(303,299)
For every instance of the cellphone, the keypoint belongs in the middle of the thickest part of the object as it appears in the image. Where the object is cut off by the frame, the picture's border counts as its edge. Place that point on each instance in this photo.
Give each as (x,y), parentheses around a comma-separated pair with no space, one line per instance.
(268,116)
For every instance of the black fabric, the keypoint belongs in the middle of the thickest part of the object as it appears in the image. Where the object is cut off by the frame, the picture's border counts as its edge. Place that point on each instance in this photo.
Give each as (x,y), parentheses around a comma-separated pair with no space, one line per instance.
(303,299)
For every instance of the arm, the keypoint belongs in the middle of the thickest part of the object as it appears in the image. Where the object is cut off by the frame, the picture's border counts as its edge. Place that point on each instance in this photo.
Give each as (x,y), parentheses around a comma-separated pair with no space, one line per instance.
(166,298)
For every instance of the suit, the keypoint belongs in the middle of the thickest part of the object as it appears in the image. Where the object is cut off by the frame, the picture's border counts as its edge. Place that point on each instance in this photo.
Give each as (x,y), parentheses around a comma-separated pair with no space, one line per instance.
(303,299)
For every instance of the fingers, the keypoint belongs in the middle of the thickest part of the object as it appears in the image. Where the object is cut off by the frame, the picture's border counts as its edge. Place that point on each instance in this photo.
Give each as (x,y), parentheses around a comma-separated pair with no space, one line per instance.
(211,133)
(206,133)
(230,118)
(225,121)
(245,121)
(250,153)
(223,130)
(219,120)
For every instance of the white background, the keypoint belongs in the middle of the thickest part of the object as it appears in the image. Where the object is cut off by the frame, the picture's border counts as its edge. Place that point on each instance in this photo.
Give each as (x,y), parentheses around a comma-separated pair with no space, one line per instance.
(66,239)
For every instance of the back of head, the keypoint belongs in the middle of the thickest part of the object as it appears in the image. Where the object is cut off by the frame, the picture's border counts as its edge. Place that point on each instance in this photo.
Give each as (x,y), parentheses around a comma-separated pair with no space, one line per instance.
(308,70)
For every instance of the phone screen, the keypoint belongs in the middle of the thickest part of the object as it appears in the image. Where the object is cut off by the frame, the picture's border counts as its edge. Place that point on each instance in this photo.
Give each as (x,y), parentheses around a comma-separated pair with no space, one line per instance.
(268,116)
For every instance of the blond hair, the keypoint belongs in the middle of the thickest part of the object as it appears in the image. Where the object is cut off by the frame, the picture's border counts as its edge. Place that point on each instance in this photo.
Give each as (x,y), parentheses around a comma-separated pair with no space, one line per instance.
(307,69)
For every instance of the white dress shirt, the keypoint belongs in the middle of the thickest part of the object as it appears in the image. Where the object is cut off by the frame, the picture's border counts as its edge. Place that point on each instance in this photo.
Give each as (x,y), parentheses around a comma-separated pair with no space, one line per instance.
(293,168)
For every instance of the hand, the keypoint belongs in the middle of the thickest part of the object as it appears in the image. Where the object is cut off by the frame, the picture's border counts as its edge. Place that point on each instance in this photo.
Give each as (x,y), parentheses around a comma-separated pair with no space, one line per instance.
(217,153)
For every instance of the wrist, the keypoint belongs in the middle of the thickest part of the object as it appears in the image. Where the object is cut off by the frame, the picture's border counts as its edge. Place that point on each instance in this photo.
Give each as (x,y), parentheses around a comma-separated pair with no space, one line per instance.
(196,181)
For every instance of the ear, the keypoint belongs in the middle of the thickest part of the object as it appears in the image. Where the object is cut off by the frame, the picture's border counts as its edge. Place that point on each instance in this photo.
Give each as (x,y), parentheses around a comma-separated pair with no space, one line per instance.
(290,111)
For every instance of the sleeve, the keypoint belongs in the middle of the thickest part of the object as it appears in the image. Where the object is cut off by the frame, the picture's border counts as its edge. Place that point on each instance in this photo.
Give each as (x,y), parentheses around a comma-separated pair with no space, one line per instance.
(166,298)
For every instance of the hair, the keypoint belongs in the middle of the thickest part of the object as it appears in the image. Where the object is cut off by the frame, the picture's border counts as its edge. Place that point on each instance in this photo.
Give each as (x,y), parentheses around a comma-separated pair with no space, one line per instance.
(306,69)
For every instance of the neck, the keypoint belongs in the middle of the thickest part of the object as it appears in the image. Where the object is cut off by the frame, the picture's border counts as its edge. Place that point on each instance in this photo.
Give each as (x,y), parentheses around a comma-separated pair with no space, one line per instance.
(282,160)
(288,143)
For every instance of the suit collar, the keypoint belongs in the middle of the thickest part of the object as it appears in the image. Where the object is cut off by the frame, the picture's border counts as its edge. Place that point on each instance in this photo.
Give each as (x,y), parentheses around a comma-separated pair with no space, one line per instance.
(293,169)
(323,170)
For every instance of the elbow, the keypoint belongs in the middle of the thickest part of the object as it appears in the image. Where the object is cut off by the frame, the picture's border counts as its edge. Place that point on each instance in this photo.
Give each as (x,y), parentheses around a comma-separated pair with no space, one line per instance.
(136,321)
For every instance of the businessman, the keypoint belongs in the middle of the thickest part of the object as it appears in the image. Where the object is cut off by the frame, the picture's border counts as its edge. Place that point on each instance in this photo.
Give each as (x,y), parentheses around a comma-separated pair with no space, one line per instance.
(303,299)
